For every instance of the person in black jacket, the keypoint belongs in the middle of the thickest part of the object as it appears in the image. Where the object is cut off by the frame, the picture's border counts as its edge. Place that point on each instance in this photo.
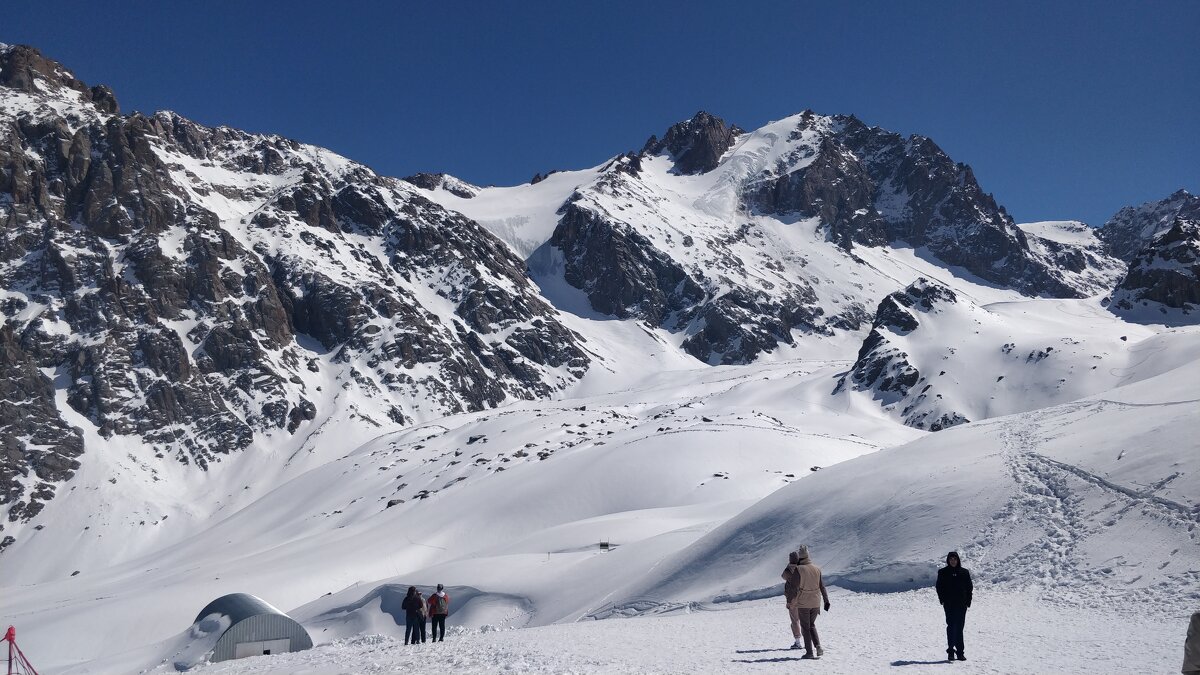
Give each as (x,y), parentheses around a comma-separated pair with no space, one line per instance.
(414,622)
(954,592)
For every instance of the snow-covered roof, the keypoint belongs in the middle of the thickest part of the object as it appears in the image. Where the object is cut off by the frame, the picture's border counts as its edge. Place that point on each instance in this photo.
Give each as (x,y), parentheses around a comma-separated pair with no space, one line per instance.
(238,607)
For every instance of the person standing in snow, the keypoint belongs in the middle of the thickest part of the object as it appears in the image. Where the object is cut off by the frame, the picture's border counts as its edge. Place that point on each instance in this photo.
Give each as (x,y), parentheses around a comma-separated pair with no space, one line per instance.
(414,624)
(791,589)
(807,593)
(1191,648)
(954,592)
(422,614)
(439,607)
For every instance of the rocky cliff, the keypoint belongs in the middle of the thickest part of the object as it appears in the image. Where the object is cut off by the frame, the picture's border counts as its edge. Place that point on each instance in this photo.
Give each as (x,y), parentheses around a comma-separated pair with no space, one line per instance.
(1165,274)
(200,290)
(698,233)
(1133,227)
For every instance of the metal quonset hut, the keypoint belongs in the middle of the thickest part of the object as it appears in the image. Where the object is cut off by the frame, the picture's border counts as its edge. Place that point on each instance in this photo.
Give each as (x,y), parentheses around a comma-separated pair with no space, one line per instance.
(255,628)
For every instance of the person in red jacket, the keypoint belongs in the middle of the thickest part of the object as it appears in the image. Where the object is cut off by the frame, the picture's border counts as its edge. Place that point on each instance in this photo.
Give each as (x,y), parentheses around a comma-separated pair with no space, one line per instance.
(439,607)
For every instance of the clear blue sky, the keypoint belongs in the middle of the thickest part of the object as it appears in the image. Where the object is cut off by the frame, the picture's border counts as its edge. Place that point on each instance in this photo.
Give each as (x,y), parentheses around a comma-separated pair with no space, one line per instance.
(1065,110)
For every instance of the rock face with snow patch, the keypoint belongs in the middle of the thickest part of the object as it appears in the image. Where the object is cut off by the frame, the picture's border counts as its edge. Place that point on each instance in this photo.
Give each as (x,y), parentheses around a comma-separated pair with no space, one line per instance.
(885,370)
(441,181)
(696,146)
(1165,274)
(1077,252)
(201,289)
(870,187)
(1134,227)
(690,251)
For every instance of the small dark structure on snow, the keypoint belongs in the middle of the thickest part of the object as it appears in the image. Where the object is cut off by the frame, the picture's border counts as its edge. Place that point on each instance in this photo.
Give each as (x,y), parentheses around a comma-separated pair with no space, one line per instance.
(255,628)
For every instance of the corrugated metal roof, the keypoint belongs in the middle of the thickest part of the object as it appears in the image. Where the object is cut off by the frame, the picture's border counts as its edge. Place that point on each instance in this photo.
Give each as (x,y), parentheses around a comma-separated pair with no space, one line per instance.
(238,607)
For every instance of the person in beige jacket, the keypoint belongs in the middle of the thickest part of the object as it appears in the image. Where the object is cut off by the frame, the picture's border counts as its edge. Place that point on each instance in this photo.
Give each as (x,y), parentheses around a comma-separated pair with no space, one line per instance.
(1191,648)
(805,592)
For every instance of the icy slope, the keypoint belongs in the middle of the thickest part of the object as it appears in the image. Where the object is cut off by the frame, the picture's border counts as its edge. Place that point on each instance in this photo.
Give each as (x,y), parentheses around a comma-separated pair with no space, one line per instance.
(1097,498)
(524,216)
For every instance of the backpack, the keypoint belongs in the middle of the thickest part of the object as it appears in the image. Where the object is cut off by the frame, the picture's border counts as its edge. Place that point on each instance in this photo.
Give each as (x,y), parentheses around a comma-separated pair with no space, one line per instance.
(791,586)
(439,603)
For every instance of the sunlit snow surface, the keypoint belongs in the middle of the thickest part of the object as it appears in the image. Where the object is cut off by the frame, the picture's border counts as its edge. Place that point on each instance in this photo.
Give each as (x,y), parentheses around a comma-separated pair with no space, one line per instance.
(1087,505)
(1073,494)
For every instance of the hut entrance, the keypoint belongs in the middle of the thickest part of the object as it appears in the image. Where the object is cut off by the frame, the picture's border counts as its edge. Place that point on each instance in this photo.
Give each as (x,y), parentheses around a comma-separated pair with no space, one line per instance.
(262,648)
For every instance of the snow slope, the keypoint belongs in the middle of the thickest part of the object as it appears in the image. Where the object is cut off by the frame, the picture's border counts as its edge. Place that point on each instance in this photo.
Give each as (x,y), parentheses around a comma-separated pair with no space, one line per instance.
(670,470)
(524,216)
(1077,250)
(511,502)
(1094,500)
(934,359)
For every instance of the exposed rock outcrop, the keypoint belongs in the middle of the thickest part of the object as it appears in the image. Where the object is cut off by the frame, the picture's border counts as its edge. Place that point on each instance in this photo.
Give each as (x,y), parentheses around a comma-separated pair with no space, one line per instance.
(886,371)
(1134,227)
(1165,274)
(696,145)
(201,289)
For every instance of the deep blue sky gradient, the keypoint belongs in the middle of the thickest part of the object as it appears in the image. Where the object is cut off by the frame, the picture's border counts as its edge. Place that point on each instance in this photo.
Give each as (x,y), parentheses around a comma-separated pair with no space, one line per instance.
(1065,110)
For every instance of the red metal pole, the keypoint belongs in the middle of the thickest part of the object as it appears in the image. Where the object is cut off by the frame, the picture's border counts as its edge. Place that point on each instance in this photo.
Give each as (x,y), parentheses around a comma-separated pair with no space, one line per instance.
(19,659)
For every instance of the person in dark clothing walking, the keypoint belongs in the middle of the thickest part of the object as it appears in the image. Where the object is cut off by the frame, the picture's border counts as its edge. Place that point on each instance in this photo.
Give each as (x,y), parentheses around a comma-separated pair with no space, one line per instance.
(414,623)
(439,607)
(954,592)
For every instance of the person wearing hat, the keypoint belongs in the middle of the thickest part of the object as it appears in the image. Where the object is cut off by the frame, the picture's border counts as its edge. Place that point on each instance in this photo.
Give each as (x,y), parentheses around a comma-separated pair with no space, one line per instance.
(439,607)
(954,592)
(806,592)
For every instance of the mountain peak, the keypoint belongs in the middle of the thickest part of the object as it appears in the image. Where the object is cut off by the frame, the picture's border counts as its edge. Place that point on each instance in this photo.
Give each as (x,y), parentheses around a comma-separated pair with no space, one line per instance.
(25,69)
(696,144)
(1165,274)
(443,181)
(1132,228)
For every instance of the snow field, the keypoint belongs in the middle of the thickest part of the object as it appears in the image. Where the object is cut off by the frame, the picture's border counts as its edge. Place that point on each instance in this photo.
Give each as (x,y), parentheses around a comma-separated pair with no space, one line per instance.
(650,469)
(1006,632)
(1094,496)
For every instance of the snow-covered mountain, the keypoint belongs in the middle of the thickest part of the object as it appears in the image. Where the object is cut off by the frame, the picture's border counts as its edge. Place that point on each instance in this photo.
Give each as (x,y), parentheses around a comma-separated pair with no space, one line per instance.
(1077,251)
(201,290)
(736,242)
(1133,227)
(1163,282)
(233,362)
